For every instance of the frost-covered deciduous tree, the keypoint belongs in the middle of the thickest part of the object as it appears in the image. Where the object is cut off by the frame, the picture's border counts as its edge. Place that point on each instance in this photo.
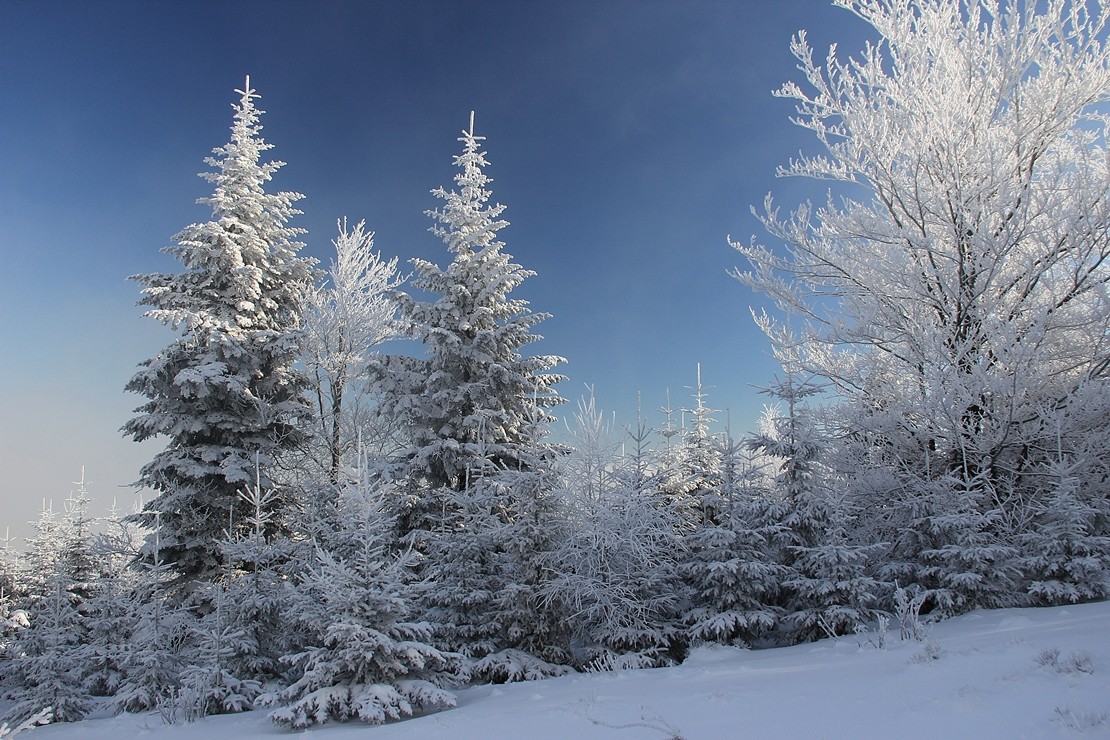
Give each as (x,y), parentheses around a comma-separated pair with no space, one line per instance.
(473,382)
(954,289)
(347,316)
(225,393)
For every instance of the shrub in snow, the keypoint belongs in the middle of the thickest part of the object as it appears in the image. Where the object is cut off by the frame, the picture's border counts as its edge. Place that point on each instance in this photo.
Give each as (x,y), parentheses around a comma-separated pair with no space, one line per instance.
(930,651)
(907,609)
(1080,721)
(1076,662)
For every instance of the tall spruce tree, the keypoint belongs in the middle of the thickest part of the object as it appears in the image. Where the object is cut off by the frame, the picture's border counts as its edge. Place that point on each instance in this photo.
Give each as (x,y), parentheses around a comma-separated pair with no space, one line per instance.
(468,403)
(224,392)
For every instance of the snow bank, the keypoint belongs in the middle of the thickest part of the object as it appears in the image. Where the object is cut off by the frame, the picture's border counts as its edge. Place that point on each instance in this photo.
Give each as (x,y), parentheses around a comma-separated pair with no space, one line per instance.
(1014,673)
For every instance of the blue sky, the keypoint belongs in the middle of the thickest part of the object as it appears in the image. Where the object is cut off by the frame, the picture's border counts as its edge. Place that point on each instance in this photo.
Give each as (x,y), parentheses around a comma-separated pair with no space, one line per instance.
(627,139)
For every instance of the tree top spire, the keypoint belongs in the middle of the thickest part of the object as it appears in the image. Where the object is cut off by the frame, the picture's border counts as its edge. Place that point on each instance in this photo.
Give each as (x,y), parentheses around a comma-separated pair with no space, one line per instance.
(248,92)
(468,135)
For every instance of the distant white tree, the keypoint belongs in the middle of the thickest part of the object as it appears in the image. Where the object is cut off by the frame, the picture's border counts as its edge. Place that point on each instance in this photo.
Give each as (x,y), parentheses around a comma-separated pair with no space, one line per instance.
(957,287)
(12,616)
(347,316)
(43,555)
(51,651)
(690,468)
(225,393)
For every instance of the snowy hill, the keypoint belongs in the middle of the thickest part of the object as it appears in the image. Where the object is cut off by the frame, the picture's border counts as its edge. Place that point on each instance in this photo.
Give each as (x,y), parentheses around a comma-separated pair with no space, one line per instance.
(1013,673)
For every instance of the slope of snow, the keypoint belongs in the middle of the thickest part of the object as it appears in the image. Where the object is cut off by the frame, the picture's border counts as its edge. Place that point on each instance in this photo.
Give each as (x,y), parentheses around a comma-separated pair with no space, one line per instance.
(984,675)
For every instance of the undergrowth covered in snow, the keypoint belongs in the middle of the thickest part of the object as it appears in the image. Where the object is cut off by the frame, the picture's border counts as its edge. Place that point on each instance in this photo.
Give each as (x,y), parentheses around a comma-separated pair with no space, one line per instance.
(1011,673)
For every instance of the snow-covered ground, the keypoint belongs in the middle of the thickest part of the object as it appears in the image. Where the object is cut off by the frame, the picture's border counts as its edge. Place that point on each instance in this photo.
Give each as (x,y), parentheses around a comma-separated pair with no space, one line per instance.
(1014,673)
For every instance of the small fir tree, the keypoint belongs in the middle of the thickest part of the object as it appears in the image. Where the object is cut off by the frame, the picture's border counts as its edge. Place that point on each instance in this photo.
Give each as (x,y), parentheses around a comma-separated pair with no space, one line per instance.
(613,576)
(364,656)
(49,662)
(734,577)
(828,589)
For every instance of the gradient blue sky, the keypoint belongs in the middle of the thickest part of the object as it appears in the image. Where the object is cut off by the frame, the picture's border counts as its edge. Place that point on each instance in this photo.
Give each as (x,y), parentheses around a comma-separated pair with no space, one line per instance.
(627,139)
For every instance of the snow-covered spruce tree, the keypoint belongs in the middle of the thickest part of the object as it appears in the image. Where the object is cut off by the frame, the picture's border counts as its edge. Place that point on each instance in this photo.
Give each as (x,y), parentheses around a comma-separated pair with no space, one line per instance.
(109,609)
(731,569)
(485,570)
(1068,559)
(12,616)
(237,645)
(613,575)
(534,640)
(827,589)
(225,392)
(210,683)
(473,383)
(159,644)
(43,555)
(49,659)
(346,317)
(52,657)
(957,288)
(469,408)
(255,593)
(77,560)
(365,656)
(690,470)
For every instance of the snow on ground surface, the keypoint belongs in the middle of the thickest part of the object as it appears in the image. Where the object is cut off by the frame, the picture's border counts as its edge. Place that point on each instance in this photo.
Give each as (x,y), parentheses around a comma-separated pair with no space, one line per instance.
(989,674)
